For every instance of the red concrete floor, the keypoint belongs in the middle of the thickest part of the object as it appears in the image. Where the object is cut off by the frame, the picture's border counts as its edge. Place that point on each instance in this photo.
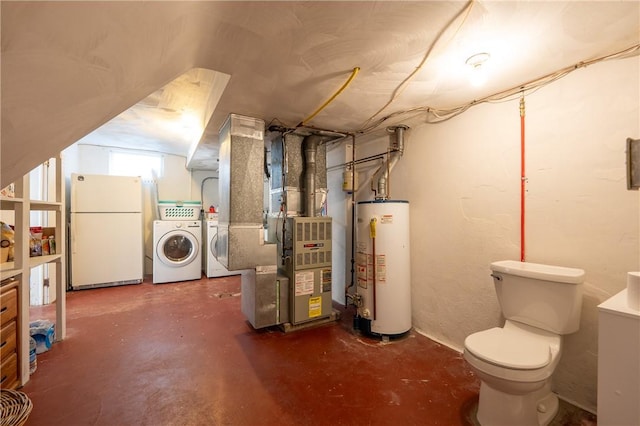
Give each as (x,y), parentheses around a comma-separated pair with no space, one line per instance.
(183,354)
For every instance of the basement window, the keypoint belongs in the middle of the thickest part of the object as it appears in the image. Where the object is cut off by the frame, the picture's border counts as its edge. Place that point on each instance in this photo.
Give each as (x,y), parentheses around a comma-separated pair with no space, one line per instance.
(147,166)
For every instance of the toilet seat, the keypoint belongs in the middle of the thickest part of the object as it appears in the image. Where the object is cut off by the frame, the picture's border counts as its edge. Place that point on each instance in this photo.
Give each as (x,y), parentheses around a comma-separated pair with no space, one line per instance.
(511,349)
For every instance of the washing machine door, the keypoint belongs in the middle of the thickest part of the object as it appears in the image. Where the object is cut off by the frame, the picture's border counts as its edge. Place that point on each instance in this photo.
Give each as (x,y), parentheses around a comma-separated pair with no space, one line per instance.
(177,248)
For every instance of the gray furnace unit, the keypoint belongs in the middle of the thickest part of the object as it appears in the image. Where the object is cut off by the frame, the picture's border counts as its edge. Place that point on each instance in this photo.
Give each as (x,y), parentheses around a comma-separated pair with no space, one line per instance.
(288,281)
(308,266)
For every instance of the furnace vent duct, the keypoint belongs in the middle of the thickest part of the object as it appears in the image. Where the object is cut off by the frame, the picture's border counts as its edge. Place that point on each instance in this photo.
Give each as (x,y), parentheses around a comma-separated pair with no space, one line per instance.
(310,152)
(288,192)
(380,179)
(240,243)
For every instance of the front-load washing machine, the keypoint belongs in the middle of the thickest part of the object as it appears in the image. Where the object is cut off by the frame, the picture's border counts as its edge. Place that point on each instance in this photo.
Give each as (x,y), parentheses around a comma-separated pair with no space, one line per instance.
(177,254)
(210,265)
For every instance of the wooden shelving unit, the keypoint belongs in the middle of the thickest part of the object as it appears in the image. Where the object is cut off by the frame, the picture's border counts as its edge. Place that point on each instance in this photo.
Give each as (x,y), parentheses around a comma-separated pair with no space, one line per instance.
(21,267)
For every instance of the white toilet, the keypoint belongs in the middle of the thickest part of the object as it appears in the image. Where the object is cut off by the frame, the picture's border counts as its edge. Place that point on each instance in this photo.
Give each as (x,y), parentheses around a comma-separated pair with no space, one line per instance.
(515,363)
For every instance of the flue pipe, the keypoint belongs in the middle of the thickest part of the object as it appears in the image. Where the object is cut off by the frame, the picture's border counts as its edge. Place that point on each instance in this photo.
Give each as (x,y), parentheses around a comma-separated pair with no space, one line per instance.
(310,146)
(380,179)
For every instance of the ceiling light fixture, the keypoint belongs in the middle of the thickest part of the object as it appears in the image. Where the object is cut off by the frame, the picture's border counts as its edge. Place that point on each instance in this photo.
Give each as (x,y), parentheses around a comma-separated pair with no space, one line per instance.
(478,68)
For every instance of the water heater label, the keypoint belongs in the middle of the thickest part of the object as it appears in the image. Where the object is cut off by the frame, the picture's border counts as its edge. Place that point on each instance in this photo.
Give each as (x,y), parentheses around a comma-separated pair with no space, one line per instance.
(381,268)
(362,276)
(364,268)
(386,218)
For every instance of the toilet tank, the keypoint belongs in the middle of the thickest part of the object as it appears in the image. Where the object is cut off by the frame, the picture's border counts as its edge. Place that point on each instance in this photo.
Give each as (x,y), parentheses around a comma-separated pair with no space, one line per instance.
(543,296)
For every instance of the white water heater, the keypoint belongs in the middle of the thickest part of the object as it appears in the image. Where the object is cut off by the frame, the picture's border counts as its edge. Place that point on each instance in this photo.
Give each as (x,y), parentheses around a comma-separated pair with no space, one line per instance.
(383,267)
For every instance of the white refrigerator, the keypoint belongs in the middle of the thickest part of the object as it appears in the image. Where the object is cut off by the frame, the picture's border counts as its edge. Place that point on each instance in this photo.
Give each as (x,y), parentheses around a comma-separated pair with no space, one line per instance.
(106,227)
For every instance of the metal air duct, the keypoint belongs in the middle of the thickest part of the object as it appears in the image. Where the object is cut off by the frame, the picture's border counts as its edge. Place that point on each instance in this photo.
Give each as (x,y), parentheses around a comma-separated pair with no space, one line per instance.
(240,226)
(310,150)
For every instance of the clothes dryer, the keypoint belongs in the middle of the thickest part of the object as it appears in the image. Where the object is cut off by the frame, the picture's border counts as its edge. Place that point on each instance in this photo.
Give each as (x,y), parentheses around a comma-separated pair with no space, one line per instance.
(210,265)
(177,254)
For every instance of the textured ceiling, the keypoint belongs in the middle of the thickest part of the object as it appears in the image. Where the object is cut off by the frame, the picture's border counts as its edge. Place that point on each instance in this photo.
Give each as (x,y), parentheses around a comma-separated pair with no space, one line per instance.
(69,68)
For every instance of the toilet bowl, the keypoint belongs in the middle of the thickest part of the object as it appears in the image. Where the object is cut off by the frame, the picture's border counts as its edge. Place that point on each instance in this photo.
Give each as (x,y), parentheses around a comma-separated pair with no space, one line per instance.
(515,362)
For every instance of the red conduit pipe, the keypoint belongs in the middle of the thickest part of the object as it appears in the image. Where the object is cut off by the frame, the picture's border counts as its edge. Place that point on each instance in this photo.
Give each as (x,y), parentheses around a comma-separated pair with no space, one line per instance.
(372,234)
(523,180)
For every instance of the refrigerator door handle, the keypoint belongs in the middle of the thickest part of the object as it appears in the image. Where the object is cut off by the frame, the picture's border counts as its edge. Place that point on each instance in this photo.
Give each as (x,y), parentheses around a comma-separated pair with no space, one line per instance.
(73,237)
(73,193)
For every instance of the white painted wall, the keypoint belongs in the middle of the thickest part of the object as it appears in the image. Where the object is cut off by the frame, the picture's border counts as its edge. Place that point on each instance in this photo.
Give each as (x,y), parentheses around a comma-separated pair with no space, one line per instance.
(462,178)
(177,183)
(204,187)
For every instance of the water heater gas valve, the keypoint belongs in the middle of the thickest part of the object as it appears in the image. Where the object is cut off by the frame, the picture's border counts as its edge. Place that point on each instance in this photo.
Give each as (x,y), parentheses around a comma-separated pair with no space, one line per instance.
(356,300)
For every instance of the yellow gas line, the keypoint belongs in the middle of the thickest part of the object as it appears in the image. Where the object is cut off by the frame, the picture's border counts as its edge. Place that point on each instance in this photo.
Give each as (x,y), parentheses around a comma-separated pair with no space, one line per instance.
(335,95)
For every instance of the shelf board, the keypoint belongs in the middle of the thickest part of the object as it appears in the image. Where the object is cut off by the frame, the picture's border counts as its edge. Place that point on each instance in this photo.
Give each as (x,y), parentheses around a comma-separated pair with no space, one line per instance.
(41,260)
(8,270)
(45,205)
(10,202)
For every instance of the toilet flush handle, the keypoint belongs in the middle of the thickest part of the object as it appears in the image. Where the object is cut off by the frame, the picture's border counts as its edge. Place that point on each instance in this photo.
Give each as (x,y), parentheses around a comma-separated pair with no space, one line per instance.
(497,277)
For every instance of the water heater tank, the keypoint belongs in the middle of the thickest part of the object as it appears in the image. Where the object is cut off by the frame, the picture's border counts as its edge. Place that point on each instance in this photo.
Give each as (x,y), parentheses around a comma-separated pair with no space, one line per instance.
(383,266)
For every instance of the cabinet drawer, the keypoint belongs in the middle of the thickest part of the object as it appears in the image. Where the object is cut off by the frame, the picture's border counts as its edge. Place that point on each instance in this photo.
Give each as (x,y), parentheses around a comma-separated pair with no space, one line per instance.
(8,340)
(8,305)
(9,372)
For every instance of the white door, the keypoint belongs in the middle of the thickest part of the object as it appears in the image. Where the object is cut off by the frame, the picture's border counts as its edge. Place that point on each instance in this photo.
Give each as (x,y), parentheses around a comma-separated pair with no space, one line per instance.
(102,193)
(106,248)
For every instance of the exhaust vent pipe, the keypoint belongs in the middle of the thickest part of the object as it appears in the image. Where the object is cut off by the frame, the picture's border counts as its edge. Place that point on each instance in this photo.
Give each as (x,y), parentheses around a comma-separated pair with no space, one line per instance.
(310,146)
(380,179)
(397,137)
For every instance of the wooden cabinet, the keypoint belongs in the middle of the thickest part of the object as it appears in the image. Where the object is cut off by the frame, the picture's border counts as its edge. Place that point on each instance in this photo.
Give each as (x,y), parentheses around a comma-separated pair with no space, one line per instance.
(9,371)
(20,269)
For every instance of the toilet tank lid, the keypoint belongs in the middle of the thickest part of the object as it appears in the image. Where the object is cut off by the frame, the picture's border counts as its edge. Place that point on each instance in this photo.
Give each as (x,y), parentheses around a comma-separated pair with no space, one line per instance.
(539,271)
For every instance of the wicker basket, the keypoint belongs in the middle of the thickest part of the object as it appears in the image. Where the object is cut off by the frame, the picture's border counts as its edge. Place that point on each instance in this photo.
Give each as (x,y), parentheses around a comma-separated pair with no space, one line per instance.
(15,407)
